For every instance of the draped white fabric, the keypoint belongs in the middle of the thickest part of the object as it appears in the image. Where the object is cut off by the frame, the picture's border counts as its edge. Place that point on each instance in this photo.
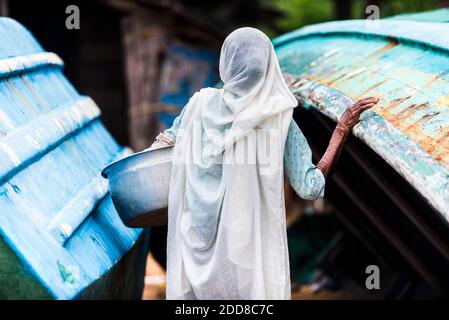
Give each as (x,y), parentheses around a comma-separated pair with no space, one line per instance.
(226,228)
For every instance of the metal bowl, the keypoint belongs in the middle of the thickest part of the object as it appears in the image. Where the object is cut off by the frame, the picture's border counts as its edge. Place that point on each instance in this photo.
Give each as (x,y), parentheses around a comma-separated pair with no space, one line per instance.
(139,187)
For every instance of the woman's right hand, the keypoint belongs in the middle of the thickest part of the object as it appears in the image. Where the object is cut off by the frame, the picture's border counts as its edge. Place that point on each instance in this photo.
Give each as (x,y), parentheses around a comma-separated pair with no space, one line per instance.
(352,114)
(348,120)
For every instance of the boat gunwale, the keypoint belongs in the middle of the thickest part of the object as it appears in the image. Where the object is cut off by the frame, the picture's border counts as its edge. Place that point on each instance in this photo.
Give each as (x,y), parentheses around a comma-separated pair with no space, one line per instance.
(359,29)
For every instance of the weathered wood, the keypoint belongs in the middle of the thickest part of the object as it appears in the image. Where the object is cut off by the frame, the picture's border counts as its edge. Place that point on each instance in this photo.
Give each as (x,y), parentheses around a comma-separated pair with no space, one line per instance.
(145,38)
(59,230)
(397,198)
(4,8)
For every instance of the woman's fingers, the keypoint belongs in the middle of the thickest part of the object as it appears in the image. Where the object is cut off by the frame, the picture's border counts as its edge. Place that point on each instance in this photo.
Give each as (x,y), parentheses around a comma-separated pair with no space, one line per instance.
(365,104)
(352,115)
(367,101)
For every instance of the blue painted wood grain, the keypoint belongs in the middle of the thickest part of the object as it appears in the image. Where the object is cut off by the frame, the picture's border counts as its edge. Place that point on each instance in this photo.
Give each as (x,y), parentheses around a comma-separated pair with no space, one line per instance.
(55,212)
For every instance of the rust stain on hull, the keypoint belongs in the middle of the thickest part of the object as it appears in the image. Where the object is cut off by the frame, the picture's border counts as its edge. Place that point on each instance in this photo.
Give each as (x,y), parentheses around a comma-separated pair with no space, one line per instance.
(376,54)
(410,96)
(363,93)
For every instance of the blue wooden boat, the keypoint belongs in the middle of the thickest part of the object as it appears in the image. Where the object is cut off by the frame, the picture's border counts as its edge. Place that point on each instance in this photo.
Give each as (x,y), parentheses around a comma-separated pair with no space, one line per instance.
(393,181)
(405,64)
(60,236)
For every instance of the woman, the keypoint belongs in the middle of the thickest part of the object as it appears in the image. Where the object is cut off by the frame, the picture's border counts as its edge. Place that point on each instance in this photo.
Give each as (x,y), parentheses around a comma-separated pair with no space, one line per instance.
(226,229)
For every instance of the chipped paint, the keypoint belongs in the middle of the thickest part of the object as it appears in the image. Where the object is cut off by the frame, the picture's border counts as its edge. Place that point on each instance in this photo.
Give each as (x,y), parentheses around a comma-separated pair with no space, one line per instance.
(403,63)
(53,200)
(69,274)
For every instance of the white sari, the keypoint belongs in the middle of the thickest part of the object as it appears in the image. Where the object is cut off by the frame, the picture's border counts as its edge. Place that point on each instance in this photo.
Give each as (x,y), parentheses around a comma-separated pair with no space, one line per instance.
(226,229)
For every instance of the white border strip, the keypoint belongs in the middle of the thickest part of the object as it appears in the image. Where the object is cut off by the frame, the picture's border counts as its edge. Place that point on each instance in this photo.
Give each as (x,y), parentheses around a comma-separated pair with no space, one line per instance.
(42,134)
(14,65)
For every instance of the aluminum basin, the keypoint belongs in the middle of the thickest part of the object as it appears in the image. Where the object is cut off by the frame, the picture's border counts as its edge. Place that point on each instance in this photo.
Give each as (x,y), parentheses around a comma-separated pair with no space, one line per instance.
(139,187)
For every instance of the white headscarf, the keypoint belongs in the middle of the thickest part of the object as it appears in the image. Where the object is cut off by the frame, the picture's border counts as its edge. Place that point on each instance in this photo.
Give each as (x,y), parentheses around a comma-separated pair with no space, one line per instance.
(226,229)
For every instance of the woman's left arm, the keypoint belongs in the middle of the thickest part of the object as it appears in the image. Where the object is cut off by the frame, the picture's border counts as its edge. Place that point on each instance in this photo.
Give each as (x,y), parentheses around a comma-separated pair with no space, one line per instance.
(168,137)
(304,177)
(173,130)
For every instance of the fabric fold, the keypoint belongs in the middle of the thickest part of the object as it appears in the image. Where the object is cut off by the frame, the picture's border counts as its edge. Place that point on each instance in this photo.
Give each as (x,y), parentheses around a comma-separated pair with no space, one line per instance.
(226,230)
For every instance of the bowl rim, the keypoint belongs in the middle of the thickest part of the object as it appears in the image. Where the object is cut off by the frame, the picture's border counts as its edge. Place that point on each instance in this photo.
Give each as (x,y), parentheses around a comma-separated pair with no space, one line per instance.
(105,169)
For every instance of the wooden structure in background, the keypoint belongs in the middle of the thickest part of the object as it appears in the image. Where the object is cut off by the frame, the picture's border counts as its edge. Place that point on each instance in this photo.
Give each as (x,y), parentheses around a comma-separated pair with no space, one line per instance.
(148,29)
(117,55)
(145,38)
(4,8)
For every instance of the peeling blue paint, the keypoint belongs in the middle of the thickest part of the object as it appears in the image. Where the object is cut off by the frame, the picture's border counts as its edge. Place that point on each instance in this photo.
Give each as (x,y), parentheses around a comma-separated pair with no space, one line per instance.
(406,65)
(56,213)
(67,274)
